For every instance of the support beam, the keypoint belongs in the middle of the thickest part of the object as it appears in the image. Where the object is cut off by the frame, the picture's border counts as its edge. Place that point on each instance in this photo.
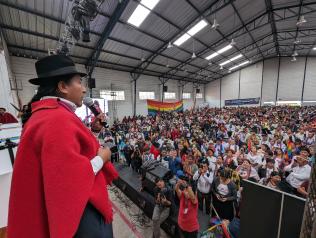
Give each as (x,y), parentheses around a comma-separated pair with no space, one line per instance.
(273,25)
(243,24)
(91,62)
(304,77)
(135,77)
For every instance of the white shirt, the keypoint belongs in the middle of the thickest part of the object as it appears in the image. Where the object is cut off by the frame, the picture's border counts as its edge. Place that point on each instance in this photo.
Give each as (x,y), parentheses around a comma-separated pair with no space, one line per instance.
(204,182)
(298,175)
(255,159)
(223,189)
(96,162)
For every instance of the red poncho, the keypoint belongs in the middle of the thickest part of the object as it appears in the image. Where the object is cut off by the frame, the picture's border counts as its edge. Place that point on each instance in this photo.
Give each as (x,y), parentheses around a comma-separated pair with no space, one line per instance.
(7,118)
(53,179)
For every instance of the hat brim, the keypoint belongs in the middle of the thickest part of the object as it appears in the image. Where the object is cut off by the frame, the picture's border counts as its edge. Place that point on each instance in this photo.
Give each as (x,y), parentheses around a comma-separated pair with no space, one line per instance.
(43,80)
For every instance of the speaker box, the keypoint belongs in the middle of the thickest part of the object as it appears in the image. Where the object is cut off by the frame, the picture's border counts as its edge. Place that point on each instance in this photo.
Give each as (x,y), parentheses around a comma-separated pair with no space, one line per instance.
(197,90)
(165,88)
(91,82)
(151,176)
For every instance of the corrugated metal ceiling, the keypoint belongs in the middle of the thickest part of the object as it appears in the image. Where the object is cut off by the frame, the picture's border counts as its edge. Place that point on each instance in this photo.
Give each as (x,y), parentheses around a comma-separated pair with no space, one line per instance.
(31,27)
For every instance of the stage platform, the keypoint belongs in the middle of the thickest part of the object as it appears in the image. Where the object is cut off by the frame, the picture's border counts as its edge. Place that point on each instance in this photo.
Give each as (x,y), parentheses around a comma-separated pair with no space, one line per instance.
(129,183)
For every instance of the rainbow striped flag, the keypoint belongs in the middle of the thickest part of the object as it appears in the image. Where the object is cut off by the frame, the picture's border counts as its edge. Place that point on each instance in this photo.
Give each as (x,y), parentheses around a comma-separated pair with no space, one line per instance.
(155,107)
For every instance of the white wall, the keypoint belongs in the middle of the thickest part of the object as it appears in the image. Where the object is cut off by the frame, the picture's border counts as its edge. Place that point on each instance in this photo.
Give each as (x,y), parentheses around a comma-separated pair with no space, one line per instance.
(212,93)
(24,69)
(7,96)
(248,82)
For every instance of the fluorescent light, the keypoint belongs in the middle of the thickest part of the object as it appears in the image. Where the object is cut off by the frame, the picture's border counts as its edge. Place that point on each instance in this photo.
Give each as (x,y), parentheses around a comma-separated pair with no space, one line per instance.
(199,26)
(235,67)
(182,39)
(236,57)
(138,16)
(195,29)
(243,63)
(212,56)
(314,48)
(239,65)
(219,52)
(150,3)
(231,60)
(225,49)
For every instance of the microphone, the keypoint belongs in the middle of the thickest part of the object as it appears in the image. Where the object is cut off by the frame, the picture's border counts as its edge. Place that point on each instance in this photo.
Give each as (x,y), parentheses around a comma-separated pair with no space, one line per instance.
(88,102)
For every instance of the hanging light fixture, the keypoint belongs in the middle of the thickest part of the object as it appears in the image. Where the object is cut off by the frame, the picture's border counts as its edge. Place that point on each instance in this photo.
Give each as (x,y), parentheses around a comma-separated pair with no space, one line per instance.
(301,21)
(295,53)
(215,24)
(233,42)
(293,59)
(297,41)
(221,67)
(193,54)
(170,45)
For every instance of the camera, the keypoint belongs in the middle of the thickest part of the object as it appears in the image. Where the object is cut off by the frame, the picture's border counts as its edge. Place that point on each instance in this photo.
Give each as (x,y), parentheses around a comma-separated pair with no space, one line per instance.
(182,187)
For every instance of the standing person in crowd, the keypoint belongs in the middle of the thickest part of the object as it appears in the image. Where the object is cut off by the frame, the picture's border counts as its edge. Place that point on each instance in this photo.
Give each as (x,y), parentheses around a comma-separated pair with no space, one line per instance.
(128,151)
(61,172)
(204,178)
(163,201)
(190,167)
(188,210)
(6,117)
(224,193)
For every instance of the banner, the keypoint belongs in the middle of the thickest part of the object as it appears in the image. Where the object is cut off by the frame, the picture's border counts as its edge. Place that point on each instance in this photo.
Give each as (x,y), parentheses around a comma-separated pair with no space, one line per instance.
(155,106)
(245,101)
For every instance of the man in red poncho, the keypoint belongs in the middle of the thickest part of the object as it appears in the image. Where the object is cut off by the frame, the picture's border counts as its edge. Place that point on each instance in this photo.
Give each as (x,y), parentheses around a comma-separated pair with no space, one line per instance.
(6,117)
(60,173)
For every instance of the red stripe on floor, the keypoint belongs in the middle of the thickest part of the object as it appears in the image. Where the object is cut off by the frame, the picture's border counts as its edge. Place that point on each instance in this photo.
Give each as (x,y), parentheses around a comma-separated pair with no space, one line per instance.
(127,222)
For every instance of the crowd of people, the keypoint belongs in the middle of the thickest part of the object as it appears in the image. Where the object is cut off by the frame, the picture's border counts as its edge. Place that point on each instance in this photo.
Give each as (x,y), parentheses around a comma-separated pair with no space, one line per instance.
(211,151)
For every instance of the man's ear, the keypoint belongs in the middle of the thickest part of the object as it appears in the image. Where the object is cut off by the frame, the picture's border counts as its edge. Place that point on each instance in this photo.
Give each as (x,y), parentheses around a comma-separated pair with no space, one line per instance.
(62,87)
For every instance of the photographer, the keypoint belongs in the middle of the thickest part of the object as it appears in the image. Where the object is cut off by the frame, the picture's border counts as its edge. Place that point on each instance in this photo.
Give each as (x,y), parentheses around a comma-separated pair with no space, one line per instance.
(163,201)
(188,210)
(136,159)
(204,180)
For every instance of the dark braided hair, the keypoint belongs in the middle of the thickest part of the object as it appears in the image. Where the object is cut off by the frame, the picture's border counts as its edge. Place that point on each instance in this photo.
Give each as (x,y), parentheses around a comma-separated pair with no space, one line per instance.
(49,89)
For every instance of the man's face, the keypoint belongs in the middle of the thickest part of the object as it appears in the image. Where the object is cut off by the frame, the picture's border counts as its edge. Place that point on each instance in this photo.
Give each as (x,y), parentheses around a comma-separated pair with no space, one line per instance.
(160,184)
(304,153)
(270,165)
(276,178)
(301,161)
(2,111)
(74,91)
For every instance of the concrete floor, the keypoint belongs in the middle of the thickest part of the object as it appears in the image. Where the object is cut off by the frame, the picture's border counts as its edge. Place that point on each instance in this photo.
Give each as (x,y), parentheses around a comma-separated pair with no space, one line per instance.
(128,221)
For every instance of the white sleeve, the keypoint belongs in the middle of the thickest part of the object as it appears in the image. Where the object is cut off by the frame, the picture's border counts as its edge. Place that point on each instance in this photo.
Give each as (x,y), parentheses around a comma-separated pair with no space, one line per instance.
(97,164)
(209,178)
(196,175)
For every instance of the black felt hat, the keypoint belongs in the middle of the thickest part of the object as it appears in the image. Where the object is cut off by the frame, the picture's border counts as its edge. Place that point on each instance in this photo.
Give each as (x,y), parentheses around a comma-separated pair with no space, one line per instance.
(53,66)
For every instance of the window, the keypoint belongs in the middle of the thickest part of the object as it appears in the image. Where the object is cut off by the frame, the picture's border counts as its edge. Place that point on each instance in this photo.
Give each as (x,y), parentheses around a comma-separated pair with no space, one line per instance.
(186,95)
(112,95)
(169,95)
(199,95)
(146,95)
